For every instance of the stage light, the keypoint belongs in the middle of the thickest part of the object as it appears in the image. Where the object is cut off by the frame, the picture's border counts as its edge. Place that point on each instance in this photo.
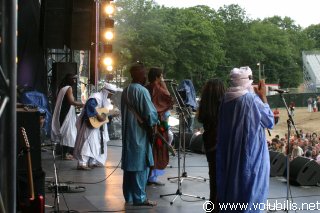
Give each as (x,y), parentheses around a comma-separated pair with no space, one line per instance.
(109,23)
(109,68)
(107,48)
(109,9)
(107,61)
(108,35)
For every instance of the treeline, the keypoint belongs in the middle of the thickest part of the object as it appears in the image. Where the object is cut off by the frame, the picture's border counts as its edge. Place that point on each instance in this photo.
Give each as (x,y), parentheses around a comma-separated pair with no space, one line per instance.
(199,42)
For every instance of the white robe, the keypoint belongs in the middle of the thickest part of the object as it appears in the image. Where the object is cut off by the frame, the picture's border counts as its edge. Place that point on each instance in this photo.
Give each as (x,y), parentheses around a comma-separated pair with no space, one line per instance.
(88,138)
(65,134)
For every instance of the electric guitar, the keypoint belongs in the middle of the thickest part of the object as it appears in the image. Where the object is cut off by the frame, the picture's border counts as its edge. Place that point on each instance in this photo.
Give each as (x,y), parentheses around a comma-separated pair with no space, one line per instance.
(95,123)
(36,204)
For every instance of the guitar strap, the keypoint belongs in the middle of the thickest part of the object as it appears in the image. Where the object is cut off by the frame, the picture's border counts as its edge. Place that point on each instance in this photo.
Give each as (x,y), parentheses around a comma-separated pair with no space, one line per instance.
(101,139)
(140,120)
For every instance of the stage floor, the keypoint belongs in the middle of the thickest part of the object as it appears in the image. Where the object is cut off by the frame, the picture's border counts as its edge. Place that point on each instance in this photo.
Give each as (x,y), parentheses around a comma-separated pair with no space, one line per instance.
(103,187)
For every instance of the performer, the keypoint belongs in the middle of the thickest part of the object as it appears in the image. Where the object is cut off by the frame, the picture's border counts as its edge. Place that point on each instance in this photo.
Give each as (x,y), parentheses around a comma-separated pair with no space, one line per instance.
(137,156)
(243,164)
(163,102)
(208,113)
(64,117)
(91,143)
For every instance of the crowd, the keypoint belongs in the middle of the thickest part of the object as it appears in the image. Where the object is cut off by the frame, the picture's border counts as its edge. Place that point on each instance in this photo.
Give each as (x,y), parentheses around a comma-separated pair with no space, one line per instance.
(305,144)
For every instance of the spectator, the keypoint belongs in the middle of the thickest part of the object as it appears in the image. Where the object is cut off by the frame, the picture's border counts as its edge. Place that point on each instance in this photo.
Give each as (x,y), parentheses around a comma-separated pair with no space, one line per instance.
(318,102)
(276,114)
(296,151)
(309,101)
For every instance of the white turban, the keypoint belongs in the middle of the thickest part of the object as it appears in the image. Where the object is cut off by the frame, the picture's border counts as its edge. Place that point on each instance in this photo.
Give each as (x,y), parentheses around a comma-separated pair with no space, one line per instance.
(241,83)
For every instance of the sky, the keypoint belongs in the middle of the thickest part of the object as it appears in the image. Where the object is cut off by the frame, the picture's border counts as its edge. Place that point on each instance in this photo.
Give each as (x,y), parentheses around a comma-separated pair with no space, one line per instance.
(304,13)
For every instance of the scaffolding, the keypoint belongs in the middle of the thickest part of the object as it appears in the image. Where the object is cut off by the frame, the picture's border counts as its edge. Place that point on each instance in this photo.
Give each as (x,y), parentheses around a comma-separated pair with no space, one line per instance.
(311,70)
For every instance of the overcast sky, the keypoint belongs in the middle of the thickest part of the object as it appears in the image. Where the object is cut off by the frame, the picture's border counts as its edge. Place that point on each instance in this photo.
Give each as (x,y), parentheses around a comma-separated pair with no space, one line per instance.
(304,13)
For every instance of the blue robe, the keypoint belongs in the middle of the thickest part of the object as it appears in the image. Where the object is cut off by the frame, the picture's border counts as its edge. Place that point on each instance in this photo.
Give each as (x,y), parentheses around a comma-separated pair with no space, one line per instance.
(136,148)
(243,164)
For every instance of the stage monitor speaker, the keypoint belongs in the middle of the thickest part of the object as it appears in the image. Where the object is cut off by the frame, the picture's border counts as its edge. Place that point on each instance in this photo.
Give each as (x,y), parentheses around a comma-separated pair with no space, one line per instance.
(81,25)
(55,23)
(30,120)
(59,71)
(277,164)
(304,172)
(196,143)
(188,137)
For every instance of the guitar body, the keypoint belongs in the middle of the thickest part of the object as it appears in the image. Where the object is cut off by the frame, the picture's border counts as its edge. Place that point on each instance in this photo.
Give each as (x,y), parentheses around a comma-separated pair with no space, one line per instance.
(94,122)
(35,205)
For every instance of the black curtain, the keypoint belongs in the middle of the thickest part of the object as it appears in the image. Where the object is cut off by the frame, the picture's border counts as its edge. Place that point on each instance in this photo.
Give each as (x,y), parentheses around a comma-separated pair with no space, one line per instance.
(31,71)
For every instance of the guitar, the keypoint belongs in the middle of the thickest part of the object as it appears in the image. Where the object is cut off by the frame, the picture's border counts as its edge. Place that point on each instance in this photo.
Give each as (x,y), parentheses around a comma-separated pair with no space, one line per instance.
(95,123)
(36,204)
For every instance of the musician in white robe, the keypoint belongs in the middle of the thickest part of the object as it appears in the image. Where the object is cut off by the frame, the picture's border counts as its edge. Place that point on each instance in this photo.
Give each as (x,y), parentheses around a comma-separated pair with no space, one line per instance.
(91,143)
(64,117)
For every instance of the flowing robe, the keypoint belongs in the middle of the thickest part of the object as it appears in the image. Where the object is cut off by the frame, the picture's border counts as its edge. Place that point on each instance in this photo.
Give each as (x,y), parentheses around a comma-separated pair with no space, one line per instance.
(243,164)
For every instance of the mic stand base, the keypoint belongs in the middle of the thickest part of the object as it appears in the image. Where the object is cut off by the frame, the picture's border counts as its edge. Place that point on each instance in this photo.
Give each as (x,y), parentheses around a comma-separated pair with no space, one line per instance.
(179,194)
(185,176)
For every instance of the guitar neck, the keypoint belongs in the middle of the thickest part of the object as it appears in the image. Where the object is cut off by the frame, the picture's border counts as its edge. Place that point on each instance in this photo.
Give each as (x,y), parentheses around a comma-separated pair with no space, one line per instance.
(30,177)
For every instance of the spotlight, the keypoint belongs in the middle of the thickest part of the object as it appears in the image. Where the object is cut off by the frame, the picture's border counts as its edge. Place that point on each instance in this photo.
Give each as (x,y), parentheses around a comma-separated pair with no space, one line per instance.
(107,61)
(108,35)
(109,9)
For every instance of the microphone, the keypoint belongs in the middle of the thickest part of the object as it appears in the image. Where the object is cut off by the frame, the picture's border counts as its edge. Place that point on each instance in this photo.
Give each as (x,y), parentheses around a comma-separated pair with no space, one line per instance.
(278,90)
(168,80)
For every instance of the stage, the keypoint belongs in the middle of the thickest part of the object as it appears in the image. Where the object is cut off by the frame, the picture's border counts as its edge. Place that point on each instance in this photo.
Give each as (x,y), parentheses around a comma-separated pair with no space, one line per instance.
(106,196)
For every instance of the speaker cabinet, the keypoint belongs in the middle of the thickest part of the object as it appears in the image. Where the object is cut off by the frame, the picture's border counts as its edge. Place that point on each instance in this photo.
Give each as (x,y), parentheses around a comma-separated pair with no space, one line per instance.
(304,172)
(55,23)
(277,163)
(59,71)
(81,25)
(196,144)
(30,120)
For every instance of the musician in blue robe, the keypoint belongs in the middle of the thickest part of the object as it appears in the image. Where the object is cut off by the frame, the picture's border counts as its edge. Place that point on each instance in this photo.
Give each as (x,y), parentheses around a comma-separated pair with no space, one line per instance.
(243,164)
(136,147)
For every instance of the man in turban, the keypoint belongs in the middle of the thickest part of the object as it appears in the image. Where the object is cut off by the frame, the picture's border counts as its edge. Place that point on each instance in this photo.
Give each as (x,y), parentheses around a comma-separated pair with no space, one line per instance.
(243,164)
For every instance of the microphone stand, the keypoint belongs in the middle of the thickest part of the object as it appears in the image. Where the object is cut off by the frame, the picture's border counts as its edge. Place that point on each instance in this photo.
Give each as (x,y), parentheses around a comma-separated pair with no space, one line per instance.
(183,144)
(182,123)
(290,123)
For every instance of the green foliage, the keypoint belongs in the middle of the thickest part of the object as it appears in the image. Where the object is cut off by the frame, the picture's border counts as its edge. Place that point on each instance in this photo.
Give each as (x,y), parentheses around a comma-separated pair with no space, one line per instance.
(199,43)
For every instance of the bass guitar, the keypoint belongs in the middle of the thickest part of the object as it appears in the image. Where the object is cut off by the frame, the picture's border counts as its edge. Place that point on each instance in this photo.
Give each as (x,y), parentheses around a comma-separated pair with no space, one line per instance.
(35,204)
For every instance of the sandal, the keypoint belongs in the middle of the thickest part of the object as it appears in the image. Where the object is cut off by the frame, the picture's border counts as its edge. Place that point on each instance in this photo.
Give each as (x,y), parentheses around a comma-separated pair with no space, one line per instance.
(146,203)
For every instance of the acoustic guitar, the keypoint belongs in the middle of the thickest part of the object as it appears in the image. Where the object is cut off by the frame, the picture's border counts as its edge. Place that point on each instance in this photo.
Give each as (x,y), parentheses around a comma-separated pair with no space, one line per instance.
(35,204)
(95,123)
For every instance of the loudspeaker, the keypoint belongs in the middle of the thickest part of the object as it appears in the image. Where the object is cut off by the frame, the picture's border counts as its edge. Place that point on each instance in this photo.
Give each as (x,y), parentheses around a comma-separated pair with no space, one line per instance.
(176,139)
(196,143)
(22,185)
(59,71)
(277,163)
(304,172)
(30,120)
(81,24)
(55,23)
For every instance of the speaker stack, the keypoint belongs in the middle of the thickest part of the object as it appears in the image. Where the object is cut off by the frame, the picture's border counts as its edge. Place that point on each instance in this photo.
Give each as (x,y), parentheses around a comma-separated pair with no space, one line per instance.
(277,164)
(67,22)
(304,172)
